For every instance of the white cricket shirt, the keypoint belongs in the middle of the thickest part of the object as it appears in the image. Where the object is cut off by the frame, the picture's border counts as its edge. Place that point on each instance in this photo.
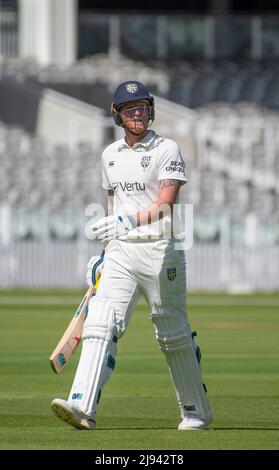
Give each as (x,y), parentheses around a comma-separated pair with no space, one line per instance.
(133,173)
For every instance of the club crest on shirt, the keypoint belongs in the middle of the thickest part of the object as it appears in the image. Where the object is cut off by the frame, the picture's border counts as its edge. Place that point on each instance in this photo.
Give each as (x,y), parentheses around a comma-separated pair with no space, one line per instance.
(145,161)
(132,87)
(171,272)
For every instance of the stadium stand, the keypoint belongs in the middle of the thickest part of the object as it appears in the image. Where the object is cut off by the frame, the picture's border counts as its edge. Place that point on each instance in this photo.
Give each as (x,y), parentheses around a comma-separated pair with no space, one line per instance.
(191,83)
(237,136)
(39,179)
(233,181)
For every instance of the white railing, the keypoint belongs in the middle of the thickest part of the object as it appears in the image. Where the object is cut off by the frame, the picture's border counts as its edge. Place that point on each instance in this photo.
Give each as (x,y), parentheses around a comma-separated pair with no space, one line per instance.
(54,264)
(159,36)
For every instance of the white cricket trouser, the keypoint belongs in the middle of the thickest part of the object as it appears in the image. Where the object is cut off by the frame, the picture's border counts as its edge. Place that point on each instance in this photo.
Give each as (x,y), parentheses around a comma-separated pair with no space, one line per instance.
(158,272)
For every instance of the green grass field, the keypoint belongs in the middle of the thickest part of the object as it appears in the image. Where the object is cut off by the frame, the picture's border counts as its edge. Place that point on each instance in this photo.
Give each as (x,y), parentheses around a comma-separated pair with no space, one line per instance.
(239,338)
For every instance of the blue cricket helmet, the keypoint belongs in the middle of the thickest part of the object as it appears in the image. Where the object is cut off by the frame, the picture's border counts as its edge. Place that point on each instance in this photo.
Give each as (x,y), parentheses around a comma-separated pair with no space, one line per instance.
(130,91)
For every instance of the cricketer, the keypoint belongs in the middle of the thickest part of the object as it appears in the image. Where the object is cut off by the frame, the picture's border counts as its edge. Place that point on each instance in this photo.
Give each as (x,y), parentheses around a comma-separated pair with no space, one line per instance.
(143,172)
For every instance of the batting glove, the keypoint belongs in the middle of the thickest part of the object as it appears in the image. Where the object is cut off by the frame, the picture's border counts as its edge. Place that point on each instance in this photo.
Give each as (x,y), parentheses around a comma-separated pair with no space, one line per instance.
(114,226)
(94,268)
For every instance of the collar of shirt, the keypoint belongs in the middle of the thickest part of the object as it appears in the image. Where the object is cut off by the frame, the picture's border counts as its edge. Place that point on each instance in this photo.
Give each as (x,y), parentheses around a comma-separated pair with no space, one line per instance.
(150,140)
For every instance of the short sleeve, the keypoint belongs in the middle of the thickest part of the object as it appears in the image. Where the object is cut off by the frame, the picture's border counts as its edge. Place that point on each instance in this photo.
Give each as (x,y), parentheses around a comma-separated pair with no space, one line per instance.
(171,164)
(105,179)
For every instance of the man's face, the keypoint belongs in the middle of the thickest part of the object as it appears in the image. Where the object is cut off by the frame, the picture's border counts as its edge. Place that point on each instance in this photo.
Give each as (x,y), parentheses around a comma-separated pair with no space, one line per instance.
(135,115)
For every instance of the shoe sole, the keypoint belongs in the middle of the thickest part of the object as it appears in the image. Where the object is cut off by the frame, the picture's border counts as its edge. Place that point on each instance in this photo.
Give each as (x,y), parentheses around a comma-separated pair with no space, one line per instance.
(205,426)
(67,415)
(192,429)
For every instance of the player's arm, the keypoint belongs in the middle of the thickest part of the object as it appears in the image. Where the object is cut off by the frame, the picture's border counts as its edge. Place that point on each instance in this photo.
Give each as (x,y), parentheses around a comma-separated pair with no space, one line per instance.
(115,226)
(167,195)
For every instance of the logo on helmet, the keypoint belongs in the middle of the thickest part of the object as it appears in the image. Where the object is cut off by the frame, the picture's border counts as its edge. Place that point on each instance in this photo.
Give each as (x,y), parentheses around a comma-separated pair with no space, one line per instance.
(132,87)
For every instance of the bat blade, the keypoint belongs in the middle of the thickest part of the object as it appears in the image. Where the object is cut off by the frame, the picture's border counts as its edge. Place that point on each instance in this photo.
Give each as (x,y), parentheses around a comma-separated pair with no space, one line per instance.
(71,338)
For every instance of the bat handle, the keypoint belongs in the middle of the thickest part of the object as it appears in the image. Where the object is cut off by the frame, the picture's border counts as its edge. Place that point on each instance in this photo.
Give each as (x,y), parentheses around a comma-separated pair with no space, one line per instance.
(96,285)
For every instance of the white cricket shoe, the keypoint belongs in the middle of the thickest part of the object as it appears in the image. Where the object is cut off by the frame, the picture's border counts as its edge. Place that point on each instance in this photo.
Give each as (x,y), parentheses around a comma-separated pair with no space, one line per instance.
(193,422)
(62,410)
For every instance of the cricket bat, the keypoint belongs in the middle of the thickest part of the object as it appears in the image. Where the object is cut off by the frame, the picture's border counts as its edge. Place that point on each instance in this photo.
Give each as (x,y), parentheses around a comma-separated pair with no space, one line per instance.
(71,338)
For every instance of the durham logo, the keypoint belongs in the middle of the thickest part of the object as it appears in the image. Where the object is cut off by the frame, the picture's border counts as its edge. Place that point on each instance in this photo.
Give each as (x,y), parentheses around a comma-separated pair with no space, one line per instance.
(132,87)
(171,272)
(145,162)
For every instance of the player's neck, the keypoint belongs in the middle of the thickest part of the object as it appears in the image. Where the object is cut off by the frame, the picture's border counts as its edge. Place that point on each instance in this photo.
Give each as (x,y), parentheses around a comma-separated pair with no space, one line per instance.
(132,139)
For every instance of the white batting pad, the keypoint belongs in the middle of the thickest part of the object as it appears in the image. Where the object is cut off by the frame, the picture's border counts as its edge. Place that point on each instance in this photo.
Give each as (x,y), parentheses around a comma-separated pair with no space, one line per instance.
(171,328)
(175,340)
(97,358)
(186,376)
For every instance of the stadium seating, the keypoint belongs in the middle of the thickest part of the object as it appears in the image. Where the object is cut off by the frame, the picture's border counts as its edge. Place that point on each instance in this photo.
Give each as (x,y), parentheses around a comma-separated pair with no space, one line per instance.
(42,181)
(190,83)
(237,135)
